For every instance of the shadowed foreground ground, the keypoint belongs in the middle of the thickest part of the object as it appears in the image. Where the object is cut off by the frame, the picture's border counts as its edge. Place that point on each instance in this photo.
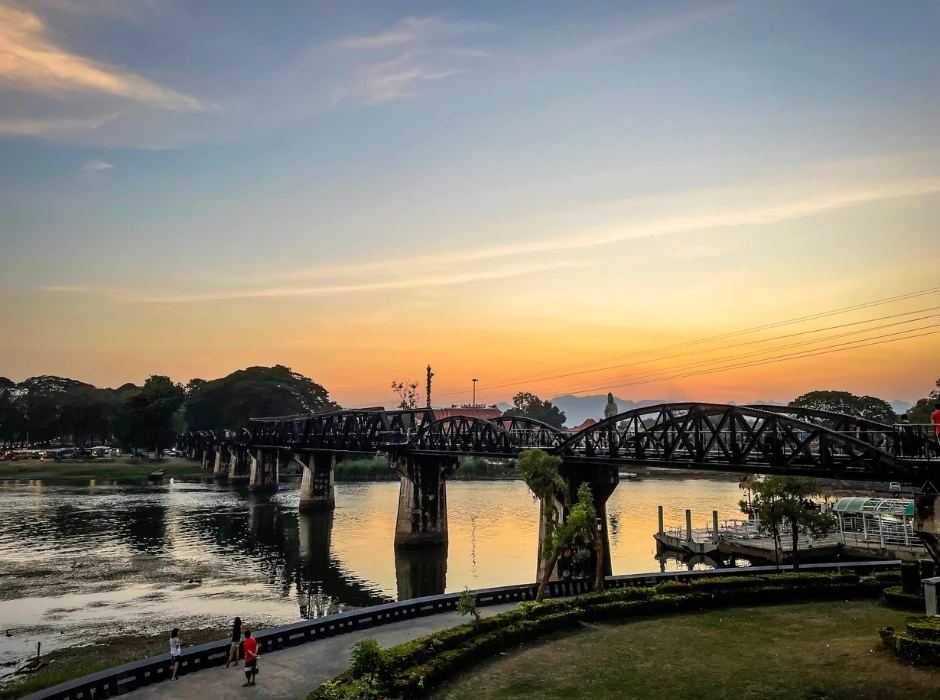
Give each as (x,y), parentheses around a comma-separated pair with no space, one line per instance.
(819,650)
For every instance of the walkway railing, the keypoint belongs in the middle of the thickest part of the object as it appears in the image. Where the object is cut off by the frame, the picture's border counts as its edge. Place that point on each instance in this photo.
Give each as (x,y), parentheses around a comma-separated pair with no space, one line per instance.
(123,679)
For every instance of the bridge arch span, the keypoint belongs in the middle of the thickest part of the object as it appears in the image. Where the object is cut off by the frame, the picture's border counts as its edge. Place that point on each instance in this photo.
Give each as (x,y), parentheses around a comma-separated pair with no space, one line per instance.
(719,437)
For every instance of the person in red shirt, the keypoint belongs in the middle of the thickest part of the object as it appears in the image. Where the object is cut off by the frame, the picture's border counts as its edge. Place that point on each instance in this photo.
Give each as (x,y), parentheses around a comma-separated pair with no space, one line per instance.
(251,659)
(935,419)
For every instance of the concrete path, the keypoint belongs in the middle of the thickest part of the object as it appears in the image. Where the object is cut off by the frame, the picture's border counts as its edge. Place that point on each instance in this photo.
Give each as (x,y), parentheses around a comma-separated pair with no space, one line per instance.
(292,673)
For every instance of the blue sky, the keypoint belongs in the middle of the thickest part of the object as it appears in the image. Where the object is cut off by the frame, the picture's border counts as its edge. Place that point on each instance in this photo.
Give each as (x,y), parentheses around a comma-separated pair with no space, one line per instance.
(323,166)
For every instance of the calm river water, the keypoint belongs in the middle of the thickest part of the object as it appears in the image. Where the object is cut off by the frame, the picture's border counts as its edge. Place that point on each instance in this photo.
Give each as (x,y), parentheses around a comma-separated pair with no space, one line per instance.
(82,561)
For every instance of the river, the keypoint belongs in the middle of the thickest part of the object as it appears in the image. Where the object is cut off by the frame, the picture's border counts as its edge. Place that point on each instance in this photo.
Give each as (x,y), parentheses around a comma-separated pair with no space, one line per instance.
(80,561)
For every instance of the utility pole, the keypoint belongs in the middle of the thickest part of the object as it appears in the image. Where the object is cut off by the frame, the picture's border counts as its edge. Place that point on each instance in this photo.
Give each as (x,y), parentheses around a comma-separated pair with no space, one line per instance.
(430,374)
(474,396)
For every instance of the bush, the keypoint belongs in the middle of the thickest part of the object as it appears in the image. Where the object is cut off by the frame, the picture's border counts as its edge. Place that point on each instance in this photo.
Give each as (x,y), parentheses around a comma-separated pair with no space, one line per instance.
(363,470)
(616,595)
(910,576)
(896,597)
(924,628)
(367,658)
(888,577)
(467,605)
(918,651)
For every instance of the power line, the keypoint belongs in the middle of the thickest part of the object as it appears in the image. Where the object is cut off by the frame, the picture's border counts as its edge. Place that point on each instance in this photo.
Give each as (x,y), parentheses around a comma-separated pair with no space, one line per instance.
(840,347)
(747,343)
(767,350)
(551,374)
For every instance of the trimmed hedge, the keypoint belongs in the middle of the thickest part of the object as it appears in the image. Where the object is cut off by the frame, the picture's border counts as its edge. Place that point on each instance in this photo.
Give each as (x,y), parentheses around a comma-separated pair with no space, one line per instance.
(410,670)
(920,644)
(895,596)
(924,628)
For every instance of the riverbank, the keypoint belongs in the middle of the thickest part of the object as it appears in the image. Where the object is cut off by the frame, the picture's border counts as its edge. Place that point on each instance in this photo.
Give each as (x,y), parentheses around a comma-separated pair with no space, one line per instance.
(73,662)
(815,650)
(120,468)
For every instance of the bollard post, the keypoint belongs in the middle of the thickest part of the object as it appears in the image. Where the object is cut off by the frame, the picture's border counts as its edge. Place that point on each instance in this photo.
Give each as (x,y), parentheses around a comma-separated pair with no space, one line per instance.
(688,525)
(660,520)
(715,526)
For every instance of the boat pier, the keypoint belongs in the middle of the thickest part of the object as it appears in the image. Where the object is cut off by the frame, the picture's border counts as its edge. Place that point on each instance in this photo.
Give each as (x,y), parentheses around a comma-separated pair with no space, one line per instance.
(867,528)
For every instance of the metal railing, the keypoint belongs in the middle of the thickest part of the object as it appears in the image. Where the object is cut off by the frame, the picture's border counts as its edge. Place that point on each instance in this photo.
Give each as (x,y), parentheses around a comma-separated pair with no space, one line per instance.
(123,679)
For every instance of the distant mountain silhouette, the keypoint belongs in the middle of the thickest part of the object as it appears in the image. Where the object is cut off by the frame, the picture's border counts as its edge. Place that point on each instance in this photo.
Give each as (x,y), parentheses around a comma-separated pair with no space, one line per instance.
(901,407)
(579,408)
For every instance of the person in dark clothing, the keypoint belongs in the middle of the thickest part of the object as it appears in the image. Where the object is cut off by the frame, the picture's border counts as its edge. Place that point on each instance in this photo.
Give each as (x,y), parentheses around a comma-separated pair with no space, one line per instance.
(905,437)
(236,639)
(176,648)
(860,432)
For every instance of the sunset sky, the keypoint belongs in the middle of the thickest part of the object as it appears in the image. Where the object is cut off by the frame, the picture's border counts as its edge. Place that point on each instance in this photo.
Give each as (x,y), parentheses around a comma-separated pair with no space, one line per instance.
(542,195)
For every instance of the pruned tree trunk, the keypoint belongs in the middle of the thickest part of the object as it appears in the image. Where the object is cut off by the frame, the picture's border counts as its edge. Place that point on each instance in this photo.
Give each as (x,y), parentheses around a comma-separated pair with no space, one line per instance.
(599,570)
(796,551)
(546,575)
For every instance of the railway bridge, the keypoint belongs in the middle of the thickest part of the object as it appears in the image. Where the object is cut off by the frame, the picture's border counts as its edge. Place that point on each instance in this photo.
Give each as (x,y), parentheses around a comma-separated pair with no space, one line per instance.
(424,452)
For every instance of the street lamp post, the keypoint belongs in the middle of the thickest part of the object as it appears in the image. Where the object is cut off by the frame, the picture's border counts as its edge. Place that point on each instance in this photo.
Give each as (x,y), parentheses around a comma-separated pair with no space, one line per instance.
(474,396)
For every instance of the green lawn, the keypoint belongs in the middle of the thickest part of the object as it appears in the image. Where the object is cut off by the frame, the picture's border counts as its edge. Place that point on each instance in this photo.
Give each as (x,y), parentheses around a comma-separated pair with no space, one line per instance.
(788,652)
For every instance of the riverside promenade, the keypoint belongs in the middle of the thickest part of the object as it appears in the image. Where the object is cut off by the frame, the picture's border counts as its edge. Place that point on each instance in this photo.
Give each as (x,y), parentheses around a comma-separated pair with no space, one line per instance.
(290,674)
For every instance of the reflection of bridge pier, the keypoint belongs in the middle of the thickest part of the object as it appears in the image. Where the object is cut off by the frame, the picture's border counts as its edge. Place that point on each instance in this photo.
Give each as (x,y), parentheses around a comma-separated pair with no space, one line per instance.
(316,487)
(602,479)
(265,465)
(422,500)
(420,573)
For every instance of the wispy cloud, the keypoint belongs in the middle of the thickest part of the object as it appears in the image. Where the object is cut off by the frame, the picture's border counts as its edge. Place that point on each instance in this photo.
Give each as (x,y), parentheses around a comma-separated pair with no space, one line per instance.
(96,165)
(646,30)
(407,30)
(689,212)
(52,127)
(404,282)
(31,61)
(427,54)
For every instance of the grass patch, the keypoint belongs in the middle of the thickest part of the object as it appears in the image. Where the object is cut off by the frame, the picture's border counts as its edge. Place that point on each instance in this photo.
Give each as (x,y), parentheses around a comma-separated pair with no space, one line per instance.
(798,651)
(121,468)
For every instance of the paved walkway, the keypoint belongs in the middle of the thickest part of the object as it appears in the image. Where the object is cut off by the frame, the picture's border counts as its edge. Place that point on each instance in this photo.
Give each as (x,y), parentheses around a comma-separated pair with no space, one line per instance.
(292,673)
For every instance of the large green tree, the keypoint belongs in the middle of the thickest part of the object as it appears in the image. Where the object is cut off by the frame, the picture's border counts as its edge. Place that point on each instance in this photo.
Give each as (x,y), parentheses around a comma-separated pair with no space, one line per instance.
(146,416)
(12,416)
(869,407)
(920,411)
(231,401)
(531,406)
(43,401)
(89,413)
(784,499)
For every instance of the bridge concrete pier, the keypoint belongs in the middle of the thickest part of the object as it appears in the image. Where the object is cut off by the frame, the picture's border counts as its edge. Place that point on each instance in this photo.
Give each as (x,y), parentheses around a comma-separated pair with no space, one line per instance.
(602,479)
(422,500)
(316,487)
(219,464)
(239,466)
(265,468)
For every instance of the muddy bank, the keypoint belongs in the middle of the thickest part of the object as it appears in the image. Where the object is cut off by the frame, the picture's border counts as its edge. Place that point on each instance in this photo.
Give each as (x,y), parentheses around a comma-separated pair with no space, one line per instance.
(73,662)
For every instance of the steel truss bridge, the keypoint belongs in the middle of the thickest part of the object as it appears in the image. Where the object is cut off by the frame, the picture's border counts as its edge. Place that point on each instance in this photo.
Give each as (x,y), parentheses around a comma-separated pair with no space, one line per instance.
(761,439)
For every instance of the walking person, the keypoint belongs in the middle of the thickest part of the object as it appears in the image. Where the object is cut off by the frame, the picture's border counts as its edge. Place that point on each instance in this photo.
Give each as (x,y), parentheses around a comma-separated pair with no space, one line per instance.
(236,638)
(251,659)
(935,419)
(176,648)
